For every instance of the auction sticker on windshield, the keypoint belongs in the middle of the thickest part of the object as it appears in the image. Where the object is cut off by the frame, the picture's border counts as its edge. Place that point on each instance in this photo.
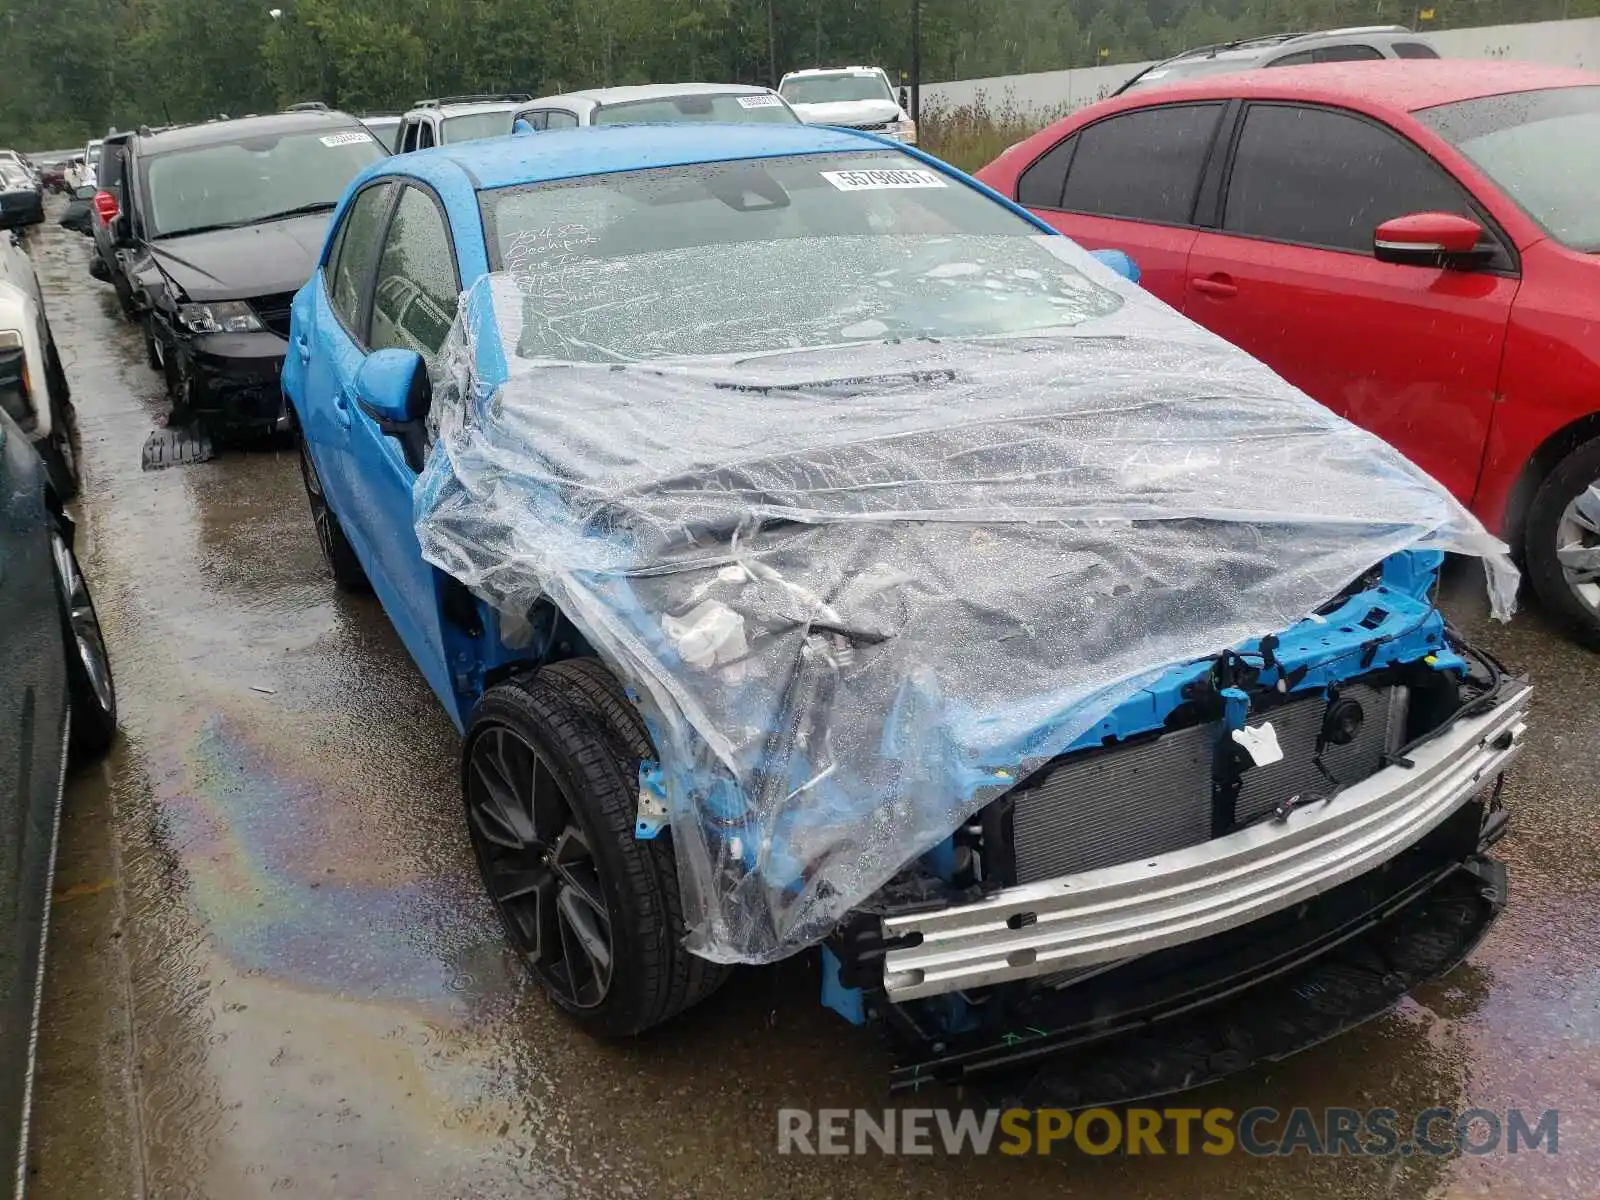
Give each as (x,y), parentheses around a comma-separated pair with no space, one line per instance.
(757,101)
(862,181)
(354,137)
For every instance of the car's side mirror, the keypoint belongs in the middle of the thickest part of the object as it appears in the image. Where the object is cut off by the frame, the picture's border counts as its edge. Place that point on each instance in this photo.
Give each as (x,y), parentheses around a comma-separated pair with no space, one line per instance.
(393,389)
(86,192)
(905,99)
(1431,239)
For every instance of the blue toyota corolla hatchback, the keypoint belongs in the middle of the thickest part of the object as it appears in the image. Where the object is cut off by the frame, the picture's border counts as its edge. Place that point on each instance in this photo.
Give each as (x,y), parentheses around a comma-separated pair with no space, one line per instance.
(815,551)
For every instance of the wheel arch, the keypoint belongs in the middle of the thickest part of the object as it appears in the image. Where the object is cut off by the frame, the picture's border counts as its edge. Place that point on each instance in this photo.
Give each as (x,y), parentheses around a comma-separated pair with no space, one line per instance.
(1534,472)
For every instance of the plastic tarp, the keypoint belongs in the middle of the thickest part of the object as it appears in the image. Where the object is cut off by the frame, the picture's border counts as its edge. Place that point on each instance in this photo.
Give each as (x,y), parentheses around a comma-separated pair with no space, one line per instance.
(869,525)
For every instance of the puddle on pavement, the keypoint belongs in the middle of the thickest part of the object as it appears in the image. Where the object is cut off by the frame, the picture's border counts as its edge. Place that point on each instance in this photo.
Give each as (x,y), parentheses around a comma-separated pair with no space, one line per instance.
(321,1000)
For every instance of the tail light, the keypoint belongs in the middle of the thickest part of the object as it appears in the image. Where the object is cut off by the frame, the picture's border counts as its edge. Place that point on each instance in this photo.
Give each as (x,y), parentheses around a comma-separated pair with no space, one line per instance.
(105,205)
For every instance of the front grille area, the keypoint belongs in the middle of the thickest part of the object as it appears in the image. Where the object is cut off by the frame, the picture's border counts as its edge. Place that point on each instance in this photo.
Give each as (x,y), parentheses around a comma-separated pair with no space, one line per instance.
(1103,807)
(274,311)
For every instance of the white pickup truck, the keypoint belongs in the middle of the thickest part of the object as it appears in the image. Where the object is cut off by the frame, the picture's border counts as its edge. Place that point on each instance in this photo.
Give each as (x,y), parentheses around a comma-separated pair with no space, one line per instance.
(855,97)
(33,387)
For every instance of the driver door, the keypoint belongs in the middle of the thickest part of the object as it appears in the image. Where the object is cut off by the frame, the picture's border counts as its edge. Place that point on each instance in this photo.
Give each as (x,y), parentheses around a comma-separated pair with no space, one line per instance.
(414,296)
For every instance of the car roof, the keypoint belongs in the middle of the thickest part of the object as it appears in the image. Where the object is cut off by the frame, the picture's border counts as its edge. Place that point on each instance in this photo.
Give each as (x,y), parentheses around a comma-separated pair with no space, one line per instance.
(185,137)
(1397,84)
(465,108)
(602,149)
(801,74)
(602,97)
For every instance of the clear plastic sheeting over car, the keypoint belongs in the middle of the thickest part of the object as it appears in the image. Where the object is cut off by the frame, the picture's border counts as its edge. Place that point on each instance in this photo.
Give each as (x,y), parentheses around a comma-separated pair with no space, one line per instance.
(870,525)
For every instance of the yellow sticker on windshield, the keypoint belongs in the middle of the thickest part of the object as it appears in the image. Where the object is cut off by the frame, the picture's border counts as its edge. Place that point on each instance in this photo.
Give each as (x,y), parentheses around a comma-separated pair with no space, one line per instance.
(866,181)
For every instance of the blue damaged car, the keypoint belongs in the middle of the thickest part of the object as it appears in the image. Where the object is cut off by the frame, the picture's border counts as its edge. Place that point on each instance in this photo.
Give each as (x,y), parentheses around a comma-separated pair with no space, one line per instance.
(819,555)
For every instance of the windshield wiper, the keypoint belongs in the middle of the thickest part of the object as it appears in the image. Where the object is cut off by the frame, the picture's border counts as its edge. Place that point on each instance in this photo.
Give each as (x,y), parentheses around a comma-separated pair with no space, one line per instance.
(315,206)
(185,232)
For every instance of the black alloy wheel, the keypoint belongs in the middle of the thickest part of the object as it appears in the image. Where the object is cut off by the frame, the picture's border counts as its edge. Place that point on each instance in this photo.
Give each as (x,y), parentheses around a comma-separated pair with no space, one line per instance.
(91,690)
(539,867)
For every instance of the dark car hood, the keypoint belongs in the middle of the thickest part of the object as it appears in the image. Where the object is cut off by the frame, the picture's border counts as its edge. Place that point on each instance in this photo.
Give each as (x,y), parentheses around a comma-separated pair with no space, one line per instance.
(237,264)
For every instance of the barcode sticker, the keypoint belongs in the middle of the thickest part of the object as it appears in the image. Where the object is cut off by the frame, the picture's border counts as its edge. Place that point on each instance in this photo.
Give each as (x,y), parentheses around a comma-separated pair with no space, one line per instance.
(766,100)
(864,181)
(353,138)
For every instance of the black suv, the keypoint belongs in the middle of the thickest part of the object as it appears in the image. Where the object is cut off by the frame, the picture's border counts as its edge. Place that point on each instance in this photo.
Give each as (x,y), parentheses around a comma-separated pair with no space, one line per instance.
(216,226)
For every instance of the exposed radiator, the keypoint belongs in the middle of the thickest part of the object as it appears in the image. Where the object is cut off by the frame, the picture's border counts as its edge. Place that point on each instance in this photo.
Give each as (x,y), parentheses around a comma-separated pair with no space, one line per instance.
(1103,807)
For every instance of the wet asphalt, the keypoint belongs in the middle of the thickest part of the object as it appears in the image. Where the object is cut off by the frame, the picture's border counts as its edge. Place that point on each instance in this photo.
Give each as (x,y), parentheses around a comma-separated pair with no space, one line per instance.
(274,971)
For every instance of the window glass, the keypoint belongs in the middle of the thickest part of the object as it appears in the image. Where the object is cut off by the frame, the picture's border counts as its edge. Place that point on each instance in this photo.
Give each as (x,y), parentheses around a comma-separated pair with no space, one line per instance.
(535,119)
(1357,53)
(357,246)
(1326,179)
(698,106)
(1414,50)
(1293,60)
(842,87)
(881,245)
(471,126)
(1541,147)
(1143,165)
(409,141)
(556,119)
(424,135)
(1042,183)
(257,178)
(417,288)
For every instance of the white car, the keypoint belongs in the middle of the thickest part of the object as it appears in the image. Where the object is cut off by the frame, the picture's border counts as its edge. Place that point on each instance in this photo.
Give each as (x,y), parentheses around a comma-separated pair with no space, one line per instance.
(658,104)
(33,387)
(855,97)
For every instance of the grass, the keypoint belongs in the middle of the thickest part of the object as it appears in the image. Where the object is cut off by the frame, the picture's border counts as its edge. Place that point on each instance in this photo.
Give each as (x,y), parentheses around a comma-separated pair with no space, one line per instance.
(973,135)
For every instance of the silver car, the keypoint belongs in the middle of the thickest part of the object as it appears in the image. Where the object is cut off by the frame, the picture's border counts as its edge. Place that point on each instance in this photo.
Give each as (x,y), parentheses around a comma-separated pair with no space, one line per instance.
(1285,50)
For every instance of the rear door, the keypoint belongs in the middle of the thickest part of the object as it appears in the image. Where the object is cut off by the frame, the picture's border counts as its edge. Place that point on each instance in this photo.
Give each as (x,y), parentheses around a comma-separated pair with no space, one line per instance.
(1130,182)
(1410,353)
(414,293)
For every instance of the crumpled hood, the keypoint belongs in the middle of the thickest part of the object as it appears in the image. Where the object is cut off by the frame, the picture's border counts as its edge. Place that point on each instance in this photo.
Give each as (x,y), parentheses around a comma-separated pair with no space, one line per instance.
(864,579)
(238,264)
(849,112)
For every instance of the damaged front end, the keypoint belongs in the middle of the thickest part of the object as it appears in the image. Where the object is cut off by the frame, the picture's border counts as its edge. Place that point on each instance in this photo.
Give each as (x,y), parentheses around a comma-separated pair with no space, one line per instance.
(1252,855)
(983,659)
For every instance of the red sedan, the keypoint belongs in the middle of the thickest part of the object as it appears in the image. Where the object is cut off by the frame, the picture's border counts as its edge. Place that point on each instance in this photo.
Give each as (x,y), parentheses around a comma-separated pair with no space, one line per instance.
(1415,244)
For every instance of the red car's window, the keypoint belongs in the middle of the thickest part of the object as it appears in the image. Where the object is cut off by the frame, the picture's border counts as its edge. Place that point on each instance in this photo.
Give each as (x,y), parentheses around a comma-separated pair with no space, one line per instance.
(1042,183)
(1324,178)
(1144,165)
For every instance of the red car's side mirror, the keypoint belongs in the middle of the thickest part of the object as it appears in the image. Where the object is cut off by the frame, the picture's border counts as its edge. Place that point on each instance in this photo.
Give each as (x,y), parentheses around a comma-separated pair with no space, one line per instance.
(1431,239)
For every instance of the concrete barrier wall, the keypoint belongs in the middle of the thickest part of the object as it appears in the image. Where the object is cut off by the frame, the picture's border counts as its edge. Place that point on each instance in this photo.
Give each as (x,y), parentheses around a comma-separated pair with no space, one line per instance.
(1052,93)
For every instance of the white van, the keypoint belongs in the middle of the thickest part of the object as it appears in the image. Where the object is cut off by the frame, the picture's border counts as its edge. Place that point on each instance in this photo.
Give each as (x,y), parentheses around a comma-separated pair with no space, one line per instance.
(855,97)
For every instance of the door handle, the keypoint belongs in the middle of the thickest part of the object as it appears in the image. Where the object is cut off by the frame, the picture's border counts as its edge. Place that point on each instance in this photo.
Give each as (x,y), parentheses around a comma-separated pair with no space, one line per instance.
(302,348)
(1218,285)
(342,400)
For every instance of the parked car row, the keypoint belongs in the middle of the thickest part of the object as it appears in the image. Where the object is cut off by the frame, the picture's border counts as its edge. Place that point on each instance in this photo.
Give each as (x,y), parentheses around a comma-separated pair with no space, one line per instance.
(57,699)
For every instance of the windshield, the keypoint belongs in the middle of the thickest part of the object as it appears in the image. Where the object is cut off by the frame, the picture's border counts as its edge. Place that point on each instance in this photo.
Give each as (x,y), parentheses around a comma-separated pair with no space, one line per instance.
(836,89)
(471,126)
(1542,148)
(698,106)
(847,247)
(253,179)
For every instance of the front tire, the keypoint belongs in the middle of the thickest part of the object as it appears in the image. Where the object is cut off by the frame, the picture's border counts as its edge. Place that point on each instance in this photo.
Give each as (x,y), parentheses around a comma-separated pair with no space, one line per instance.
(1562,542)
(348,573)
(550,783)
